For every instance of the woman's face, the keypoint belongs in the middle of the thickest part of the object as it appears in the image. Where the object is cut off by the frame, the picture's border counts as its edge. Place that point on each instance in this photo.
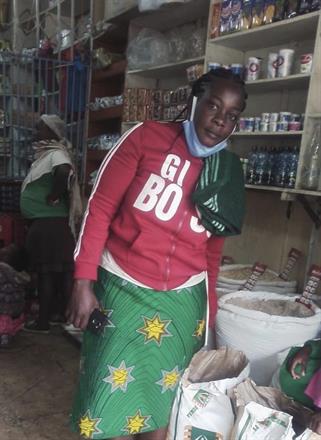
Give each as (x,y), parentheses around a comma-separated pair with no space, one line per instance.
(217,111)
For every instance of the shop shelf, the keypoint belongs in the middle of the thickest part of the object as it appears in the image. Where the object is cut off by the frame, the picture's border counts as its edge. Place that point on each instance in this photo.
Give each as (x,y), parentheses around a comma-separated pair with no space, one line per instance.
(292,29)
(165,70)
(284,190)
(106,113)
(269,84)
(268,133)
(115,69)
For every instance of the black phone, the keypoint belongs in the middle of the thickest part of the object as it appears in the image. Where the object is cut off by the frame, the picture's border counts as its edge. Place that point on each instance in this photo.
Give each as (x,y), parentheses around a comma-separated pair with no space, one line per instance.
(97,321)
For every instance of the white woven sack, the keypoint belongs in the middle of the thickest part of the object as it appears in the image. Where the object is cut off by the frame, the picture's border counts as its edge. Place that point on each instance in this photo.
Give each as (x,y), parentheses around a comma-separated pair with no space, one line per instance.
(201,401)
(261,423)
(260,335)
(275,283)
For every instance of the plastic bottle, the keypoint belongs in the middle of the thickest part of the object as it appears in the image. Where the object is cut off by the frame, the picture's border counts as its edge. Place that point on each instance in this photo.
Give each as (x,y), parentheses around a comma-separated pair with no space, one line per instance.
(260,168)
(312,170)
(293,158)
(281,168)
(251,164)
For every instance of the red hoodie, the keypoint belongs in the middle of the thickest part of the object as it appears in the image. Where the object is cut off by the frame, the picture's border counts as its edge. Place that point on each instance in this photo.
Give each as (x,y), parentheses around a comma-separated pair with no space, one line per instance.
(140,210)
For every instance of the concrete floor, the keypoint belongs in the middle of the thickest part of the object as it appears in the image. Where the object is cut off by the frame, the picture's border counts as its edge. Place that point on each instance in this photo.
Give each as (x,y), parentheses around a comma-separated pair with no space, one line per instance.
(38,374)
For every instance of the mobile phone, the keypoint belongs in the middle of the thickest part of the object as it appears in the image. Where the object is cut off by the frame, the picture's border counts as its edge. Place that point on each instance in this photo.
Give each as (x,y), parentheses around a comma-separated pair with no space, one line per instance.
(97,321)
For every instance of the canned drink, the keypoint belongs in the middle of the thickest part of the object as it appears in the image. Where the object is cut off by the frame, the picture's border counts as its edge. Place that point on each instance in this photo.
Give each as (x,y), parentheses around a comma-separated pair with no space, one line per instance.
(253,68)
(272,67)
(265,117)
(285,116)
(273,126)
(282,126)
(274,117)
(237,69)
(285,61)
(257,122)
(249,124)
(264,126)
(306,63)
(213,66)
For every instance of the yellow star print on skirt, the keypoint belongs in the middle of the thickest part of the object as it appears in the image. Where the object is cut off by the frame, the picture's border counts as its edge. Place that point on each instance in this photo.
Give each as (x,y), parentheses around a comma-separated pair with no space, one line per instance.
(130,372)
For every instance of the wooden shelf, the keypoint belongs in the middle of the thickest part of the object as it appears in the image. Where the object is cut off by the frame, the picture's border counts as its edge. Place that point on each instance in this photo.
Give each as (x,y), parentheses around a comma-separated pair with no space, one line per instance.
(268,133)
(116,69)
(106,113)
(284,190)
(289,82)
(292,29)
(164,70)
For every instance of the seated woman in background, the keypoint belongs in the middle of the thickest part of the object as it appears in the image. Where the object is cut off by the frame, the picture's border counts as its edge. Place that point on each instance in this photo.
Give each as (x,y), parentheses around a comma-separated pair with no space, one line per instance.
(300,378)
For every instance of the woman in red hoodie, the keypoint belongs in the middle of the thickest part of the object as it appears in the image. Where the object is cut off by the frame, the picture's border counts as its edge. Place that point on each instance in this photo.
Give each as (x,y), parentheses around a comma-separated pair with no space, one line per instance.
(143,234)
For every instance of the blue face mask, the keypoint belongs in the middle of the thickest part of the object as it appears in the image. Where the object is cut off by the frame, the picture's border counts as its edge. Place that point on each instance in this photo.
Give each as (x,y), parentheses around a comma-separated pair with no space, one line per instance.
(195,147)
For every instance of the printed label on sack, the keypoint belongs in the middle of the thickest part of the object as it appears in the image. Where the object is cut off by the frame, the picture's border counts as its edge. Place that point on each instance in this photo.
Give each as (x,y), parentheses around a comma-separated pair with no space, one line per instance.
(293,257)
(226,260)
(258,270)
(311,285)
(192,433)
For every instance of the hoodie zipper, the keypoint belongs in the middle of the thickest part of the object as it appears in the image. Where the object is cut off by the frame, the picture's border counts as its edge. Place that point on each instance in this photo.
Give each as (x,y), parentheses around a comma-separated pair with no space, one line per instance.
(168,257)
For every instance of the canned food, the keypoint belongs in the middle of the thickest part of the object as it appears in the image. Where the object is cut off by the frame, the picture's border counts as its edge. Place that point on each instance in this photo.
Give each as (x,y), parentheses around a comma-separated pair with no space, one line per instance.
(274,117)
(294,126)
(306,63)
(273,126)
(285,116)
(295,117)
(213,66)
(265,117)
(249,124)
(242,124)
(257,122)
(253,68)
(264,126)
(282,126)
(237,69)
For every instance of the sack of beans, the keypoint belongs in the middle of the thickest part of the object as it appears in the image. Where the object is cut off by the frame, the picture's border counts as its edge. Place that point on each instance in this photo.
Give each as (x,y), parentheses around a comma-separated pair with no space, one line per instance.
(261,324)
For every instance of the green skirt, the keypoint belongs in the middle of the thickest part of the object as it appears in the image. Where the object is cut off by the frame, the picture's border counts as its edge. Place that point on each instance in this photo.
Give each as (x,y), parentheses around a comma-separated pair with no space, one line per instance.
(129,373)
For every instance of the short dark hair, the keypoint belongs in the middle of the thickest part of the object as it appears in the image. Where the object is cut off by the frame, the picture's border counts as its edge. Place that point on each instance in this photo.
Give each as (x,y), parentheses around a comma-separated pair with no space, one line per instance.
(202,84)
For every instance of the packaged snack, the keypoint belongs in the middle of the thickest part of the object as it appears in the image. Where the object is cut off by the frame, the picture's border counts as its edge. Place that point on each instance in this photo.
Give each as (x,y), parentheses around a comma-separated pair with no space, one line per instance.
(257,13)
(215,21)
(292,8)
(246,15)
(269,11)
(279,10)
(236,7)
(143,97)
(225,19)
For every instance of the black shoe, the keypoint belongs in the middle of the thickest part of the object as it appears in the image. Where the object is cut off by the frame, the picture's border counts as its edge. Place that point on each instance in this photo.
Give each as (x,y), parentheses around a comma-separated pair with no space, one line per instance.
(34,327)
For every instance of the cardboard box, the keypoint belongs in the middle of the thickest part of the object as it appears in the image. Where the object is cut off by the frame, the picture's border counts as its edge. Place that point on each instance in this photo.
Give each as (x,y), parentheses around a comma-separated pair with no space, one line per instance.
(117,7)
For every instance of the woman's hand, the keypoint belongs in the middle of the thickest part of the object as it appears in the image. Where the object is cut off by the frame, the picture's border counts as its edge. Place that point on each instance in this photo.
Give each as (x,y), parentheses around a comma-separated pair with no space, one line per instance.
(82,303)
(316,423)
(300,359)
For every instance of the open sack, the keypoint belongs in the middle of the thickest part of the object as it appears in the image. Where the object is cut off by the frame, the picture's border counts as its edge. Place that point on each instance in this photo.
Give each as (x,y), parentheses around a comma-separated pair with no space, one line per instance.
(201,405)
